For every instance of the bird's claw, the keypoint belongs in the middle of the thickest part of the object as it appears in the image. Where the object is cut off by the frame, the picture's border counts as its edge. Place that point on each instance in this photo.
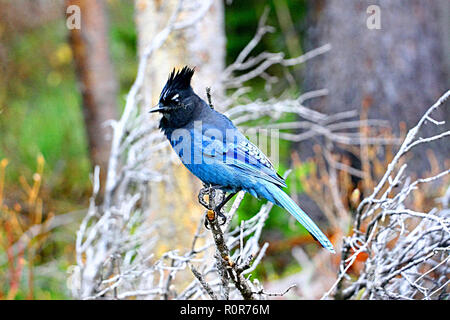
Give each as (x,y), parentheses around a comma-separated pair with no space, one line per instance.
(223,217)
(212,212)
(211,215)
(201,197)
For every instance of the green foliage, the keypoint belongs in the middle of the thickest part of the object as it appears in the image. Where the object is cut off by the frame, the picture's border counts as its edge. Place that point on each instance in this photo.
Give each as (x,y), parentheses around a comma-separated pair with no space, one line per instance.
(123,45)
(42,112)
(241,21)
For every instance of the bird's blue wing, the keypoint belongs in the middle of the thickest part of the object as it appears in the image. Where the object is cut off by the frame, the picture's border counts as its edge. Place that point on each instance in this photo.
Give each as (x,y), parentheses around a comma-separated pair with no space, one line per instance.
(243,156)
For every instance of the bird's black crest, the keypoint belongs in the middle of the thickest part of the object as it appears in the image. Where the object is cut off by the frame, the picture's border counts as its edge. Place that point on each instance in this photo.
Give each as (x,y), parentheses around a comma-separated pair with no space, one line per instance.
(178,80)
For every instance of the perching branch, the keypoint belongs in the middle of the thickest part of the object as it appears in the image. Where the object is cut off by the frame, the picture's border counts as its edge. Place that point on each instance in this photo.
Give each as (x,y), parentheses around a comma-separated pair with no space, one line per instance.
(227,268)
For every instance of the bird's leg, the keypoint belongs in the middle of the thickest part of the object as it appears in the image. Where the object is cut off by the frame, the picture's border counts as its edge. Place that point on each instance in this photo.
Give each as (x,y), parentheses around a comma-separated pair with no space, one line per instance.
(201,196)
(210,191)
(211,214)
(224,201)
(210,205)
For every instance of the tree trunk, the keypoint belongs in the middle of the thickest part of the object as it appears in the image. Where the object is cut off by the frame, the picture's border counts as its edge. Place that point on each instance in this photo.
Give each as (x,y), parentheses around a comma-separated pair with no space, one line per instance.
(97,79)
(396,72)
(201,46)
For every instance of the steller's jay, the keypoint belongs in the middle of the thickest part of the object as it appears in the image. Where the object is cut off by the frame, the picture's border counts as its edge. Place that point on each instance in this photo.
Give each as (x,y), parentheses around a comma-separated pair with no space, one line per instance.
(215,151)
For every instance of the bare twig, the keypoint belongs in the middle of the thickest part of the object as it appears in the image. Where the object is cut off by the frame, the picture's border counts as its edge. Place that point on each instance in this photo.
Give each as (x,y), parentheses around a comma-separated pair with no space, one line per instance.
(398,271)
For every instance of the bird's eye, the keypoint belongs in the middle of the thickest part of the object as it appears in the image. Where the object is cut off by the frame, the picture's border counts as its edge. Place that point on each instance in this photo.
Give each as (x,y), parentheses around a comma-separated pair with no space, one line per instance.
(175,97)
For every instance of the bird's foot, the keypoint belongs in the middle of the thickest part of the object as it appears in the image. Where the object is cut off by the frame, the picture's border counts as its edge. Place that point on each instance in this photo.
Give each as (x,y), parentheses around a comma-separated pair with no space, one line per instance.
(211,215)
(223,217)
(201,196)
(213,210)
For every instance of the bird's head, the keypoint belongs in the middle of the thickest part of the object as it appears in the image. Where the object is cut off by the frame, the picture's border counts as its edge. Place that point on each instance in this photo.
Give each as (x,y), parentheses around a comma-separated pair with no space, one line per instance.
(176,101)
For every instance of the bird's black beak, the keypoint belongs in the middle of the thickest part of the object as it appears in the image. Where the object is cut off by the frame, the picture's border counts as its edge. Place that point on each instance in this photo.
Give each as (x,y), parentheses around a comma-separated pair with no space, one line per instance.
(158,108)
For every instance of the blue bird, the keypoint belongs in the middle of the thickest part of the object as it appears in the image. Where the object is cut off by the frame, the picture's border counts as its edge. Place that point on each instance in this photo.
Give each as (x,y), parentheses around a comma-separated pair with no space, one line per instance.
(215,151)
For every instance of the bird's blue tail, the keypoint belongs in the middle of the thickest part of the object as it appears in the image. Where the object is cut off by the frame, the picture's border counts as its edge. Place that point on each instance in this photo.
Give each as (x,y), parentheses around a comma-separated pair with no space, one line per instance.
(283,200)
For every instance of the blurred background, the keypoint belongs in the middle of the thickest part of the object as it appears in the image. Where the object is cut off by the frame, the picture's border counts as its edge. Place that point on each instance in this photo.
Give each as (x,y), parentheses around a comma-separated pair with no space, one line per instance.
(58,87)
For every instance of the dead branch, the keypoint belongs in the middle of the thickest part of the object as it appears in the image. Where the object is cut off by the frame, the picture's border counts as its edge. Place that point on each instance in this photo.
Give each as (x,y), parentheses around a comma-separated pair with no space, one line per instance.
(421,239)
